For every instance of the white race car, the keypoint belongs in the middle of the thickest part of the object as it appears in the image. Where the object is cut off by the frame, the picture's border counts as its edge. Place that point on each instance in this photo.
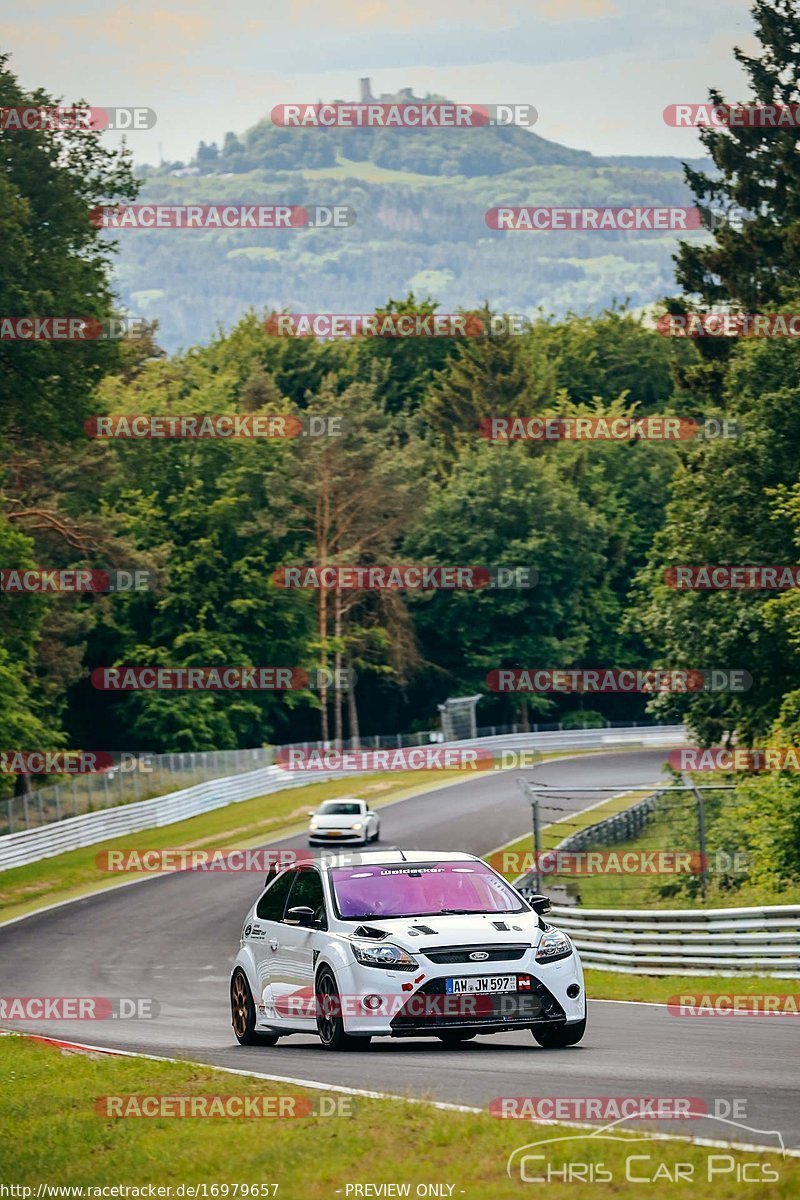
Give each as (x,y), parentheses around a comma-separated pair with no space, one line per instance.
(402,944)
(344,822)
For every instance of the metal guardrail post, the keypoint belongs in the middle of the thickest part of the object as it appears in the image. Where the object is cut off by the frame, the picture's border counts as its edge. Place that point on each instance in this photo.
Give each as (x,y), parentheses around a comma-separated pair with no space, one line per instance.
(524,787)
(701,833)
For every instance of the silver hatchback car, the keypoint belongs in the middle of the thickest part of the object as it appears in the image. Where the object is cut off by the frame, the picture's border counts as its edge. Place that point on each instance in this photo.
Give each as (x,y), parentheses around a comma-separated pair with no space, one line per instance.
(344,822)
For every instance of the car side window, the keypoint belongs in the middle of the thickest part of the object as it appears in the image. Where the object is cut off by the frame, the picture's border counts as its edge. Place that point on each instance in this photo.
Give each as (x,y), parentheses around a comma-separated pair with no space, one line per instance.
(271,905)
(308,891)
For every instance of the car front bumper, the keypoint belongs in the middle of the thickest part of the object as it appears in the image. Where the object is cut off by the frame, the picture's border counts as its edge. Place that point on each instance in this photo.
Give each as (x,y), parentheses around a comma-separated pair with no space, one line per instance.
(416,1004)
(337,837)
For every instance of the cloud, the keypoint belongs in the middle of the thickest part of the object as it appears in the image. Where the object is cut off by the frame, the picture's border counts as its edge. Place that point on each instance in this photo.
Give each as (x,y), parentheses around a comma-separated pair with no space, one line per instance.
(386,15)
(145,28)
(576,10)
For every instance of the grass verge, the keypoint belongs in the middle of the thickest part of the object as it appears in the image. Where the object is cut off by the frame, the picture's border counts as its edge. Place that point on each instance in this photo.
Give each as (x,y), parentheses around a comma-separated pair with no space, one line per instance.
(53,1134)
(658,989)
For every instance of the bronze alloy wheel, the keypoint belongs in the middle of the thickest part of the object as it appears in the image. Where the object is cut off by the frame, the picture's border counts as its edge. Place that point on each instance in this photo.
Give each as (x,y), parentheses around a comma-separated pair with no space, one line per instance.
(243,1014)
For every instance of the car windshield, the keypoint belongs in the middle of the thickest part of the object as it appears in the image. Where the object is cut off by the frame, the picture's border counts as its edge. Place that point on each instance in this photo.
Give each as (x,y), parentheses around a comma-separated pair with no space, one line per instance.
(423,890)
(339,808)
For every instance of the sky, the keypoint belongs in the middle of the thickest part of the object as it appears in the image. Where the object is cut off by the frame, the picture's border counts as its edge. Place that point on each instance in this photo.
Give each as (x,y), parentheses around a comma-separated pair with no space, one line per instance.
(599,72)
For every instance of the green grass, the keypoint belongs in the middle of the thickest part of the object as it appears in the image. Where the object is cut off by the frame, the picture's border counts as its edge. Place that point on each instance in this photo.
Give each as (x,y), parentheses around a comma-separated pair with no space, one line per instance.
(658,989)
(370,172)
(51,1133)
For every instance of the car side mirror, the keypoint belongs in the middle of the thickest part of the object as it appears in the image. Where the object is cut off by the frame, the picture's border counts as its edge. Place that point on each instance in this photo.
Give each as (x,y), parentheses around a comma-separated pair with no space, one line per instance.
(301,915)
(540,904)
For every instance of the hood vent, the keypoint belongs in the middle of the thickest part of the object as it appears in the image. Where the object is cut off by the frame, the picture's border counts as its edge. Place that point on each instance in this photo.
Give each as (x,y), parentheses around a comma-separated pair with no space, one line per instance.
(422,929)
(369,931)
(501,925)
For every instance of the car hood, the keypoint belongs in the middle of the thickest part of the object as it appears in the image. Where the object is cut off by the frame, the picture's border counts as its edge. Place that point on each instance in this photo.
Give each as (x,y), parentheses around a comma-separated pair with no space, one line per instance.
(341,822)
(454,930)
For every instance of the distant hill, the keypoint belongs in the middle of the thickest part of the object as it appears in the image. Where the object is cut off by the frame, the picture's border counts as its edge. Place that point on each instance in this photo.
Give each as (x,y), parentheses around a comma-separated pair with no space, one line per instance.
(420,198)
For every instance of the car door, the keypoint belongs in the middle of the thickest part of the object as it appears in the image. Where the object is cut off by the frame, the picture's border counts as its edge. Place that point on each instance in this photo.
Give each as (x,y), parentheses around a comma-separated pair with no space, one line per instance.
(294,965)
(263,938)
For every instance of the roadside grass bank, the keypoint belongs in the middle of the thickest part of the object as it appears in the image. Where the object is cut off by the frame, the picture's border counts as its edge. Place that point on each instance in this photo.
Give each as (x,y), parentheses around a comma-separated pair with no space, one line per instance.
(53,1134)
(658,989)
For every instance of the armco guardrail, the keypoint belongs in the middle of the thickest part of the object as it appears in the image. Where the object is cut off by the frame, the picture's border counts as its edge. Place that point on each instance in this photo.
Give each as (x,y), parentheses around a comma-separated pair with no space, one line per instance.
(617,828)
(17,849)
(30,845)
(718,941)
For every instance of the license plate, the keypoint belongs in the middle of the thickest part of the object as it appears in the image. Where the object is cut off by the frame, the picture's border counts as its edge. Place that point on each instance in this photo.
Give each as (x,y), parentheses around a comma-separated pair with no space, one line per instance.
(483,984)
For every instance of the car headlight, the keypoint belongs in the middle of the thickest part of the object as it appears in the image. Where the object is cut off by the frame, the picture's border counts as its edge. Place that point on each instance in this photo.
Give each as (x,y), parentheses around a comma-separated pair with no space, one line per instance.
(313,823)
(392,957)
(358,826)
(554,945)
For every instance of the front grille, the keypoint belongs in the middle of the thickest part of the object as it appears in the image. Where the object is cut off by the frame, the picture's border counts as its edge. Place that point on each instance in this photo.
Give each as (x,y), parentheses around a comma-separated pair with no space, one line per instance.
(461,954)
(431,1009)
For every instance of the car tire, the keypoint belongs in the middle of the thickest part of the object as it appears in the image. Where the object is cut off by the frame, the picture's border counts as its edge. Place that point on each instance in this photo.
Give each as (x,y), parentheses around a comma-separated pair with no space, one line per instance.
(376,834)
(243,1014)
(560,1037)
(330,1026)
(453,1039)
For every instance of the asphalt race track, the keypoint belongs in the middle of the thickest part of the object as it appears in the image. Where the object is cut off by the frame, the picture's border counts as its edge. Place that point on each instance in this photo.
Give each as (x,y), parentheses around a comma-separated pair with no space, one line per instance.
(173,938)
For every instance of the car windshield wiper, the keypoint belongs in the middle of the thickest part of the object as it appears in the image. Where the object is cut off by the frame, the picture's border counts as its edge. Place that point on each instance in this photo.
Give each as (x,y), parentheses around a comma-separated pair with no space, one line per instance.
(461,912)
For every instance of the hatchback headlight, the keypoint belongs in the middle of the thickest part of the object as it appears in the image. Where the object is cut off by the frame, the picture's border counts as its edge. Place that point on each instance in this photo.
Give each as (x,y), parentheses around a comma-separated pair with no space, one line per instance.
(554,945)
(358,826)
(313,823)
(392,957)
